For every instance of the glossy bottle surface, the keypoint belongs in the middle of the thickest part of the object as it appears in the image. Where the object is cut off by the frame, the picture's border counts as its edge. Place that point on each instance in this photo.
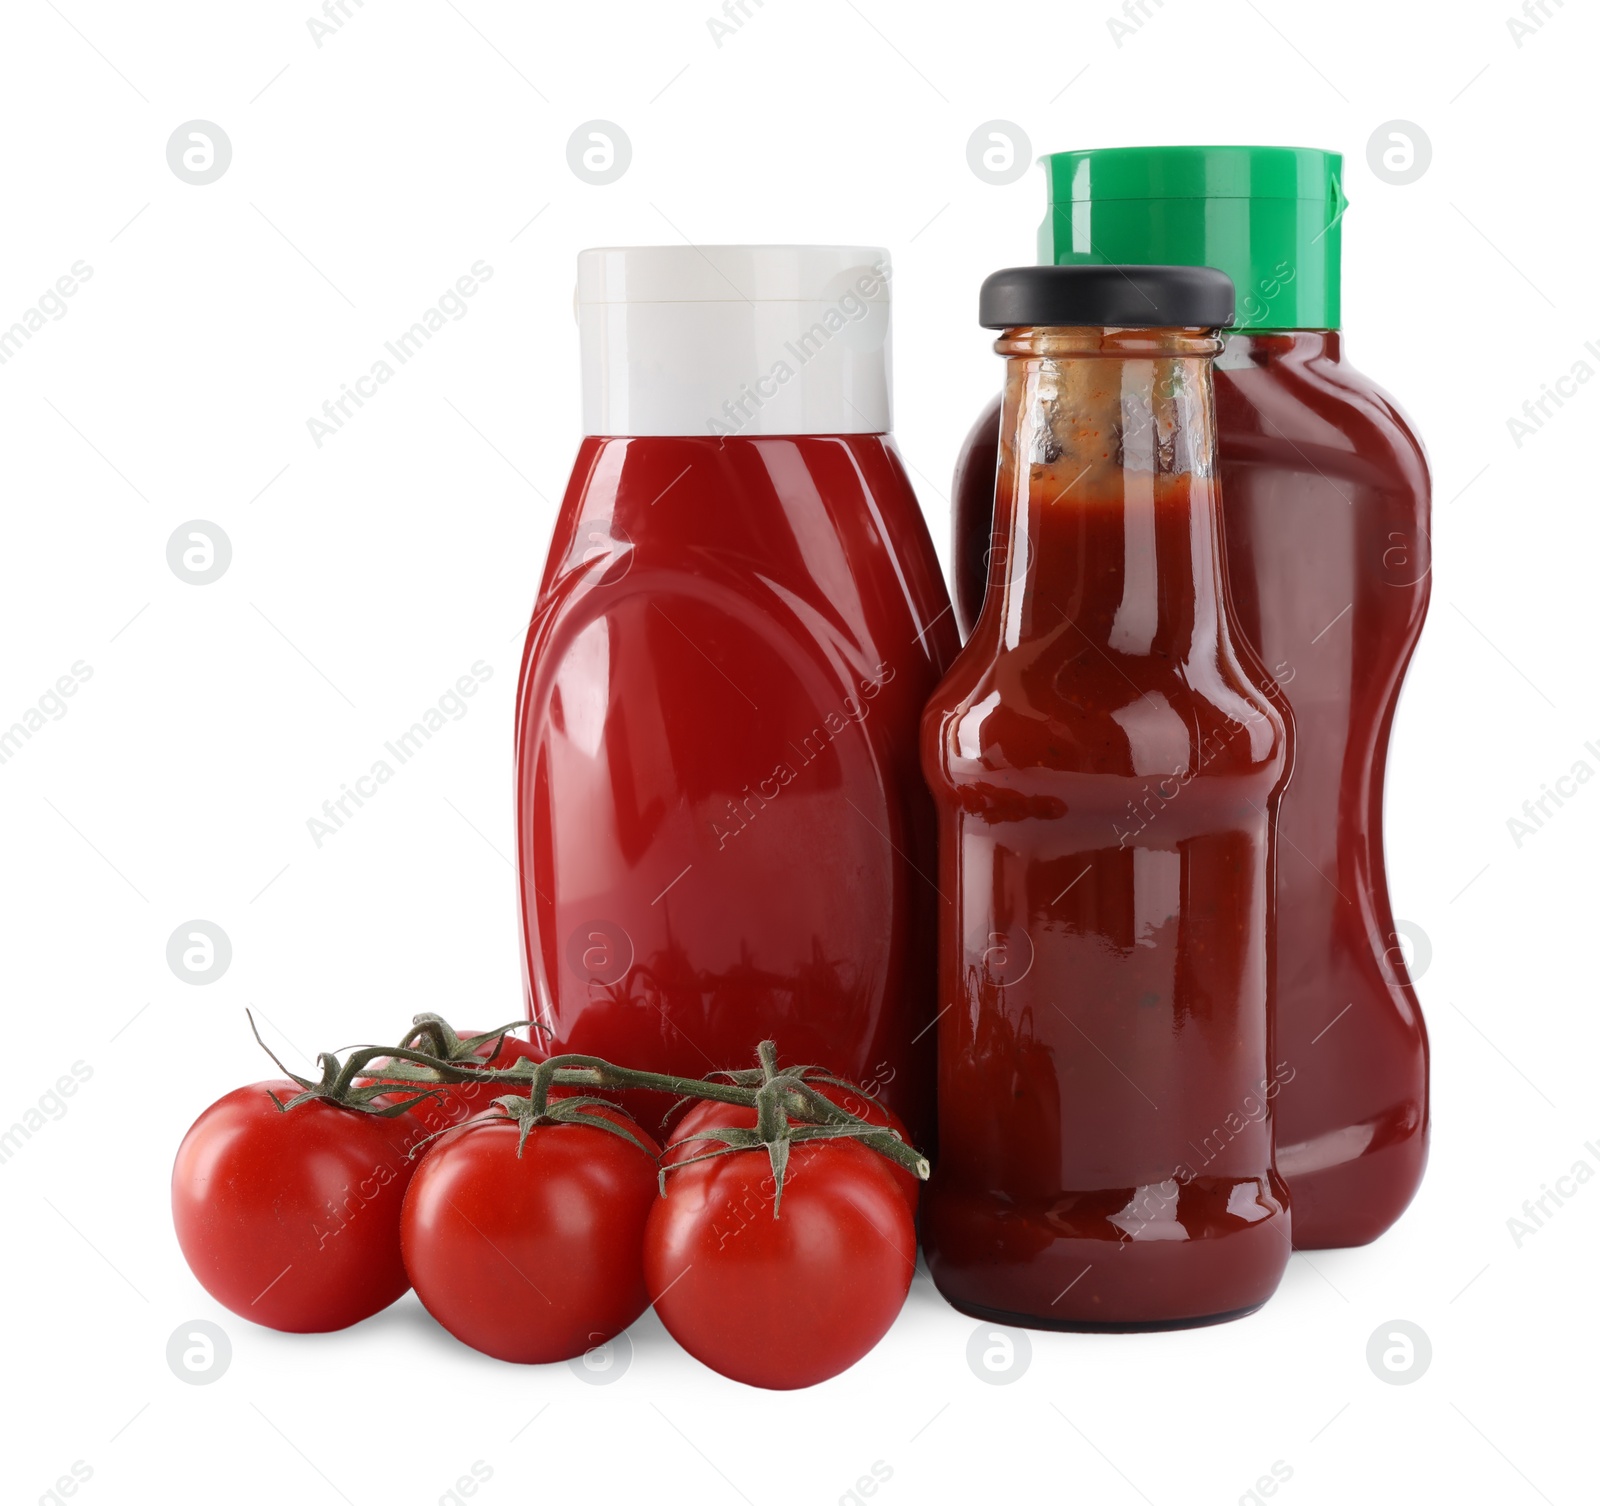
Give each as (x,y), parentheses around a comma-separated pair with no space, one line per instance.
(723,835)
(1106,774)
(1325,499)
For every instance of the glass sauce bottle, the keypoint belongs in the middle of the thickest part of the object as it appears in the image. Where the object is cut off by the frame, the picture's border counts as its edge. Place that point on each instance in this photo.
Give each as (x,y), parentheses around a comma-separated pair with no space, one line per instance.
(1107,775)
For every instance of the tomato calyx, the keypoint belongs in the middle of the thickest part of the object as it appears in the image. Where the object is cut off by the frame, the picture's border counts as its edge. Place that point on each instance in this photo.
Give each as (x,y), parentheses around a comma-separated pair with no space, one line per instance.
(406,1075)
(783,1097)
(432,1043)
(754,1078)
(433,1035)
(516,1108)
(599,1113)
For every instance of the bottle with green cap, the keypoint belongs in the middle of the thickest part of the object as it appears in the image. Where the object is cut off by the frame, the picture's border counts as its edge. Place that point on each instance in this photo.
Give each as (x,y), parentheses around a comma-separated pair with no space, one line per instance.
(1325,503)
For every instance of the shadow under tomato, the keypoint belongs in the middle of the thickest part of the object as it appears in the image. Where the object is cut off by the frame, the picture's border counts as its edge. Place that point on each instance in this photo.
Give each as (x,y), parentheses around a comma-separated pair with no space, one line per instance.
(413,1323)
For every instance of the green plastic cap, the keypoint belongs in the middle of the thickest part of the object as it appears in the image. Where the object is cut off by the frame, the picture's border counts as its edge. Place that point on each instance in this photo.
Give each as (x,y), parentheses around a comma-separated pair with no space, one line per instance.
(1268,216)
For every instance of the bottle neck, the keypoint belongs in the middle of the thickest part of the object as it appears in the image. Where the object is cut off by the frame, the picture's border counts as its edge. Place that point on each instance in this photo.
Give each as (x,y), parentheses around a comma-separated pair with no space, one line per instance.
(1106,518)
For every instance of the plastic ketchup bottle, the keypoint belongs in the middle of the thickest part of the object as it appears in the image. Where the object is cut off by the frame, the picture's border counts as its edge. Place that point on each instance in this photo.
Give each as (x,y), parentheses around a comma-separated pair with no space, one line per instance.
(1107,775)
(723,834)
(1325,501)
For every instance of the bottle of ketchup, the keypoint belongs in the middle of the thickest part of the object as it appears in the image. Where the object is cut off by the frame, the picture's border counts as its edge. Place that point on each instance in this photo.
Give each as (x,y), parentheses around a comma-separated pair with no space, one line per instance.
(1325,500)
(723,834)
(1107,775)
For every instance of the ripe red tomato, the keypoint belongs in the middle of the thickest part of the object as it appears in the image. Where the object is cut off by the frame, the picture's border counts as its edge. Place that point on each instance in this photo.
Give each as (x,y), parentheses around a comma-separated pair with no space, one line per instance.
(292,1218)
(533,1258)
(708,1114)
(789,1301)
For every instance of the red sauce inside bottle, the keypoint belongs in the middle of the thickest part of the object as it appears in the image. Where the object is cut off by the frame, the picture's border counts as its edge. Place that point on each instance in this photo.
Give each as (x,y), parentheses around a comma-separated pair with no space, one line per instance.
(1107,774)
(723,833)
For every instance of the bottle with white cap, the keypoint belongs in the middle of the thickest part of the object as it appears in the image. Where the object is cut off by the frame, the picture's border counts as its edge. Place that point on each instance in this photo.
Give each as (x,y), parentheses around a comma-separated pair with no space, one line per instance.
(723,833)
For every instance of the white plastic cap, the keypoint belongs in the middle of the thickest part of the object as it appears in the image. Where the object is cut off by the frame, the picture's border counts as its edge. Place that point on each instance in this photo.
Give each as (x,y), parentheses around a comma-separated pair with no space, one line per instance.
(734,339)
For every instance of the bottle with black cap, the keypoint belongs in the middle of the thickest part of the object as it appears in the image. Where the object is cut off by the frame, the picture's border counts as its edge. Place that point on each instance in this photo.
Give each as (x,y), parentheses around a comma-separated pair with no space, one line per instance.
(1107,774)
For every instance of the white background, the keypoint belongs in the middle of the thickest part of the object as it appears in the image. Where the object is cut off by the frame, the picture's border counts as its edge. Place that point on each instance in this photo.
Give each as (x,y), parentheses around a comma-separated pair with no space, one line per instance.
(367,575)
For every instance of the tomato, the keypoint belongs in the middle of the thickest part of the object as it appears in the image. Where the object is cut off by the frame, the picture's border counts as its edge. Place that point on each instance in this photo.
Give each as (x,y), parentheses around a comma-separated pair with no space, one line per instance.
(291,1218)
(789,1301)
(533,1258)
(708,1114)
